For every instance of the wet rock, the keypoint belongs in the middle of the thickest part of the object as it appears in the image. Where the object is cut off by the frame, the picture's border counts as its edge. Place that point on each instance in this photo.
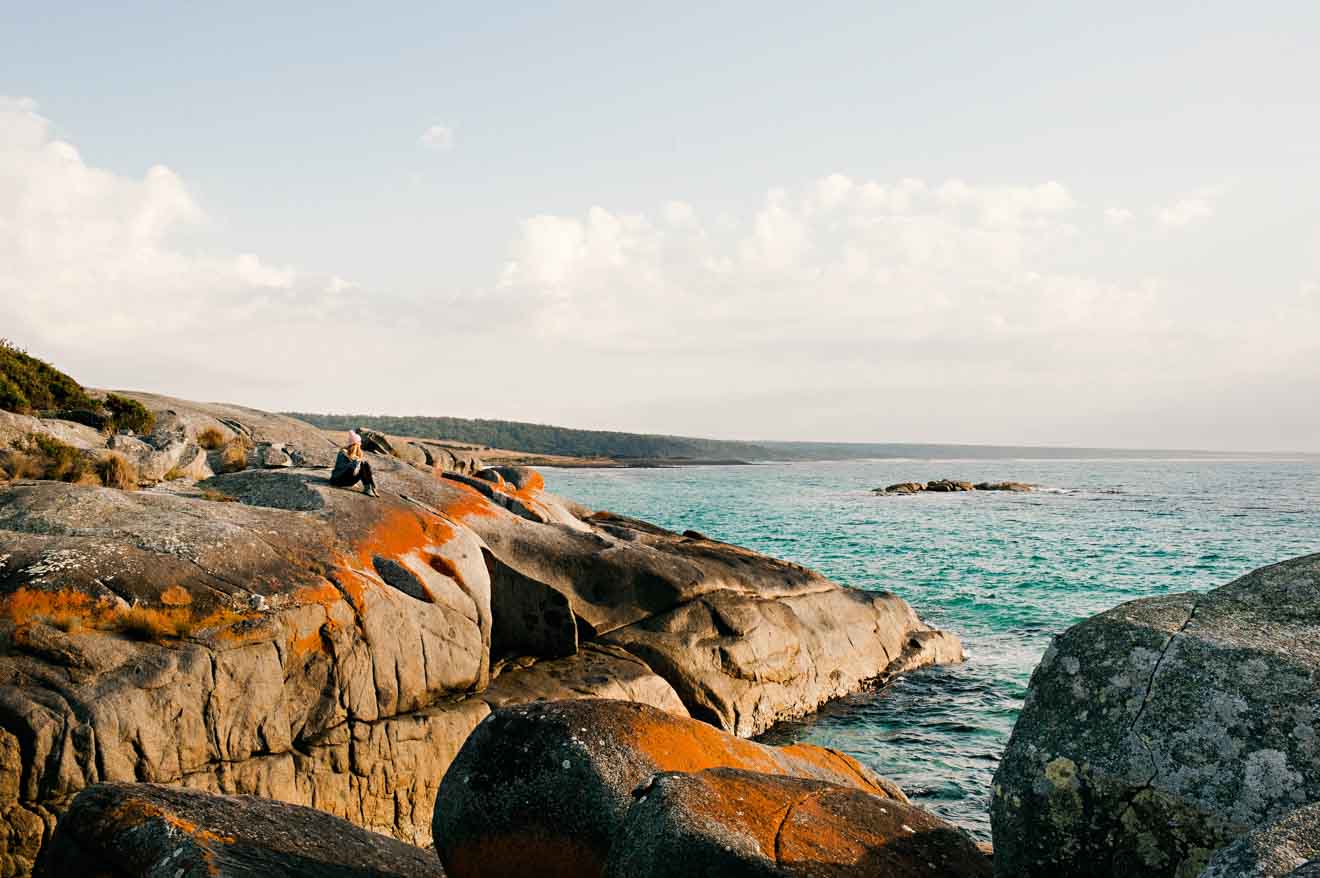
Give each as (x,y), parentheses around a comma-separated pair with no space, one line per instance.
(1273,851)
(1015,487)
(131,830)
(550,783)
(1159,731)
(735,823)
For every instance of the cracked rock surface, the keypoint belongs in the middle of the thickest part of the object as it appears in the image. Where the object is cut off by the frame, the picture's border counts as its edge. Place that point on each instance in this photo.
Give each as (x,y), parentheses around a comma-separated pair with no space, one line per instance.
(261,632)
(1162,730)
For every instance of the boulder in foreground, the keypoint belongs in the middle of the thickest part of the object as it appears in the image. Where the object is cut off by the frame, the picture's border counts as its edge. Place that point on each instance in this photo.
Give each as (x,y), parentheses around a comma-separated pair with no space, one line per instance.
(132,830)
(1159,731)
(740,824)
(550,783)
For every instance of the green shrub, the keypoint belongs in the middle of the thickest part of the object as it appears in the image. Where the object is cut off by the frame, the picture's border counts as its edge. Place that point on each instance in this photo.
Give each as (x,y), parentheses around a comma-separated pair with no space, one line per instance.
(60,461)
(12,399)
(128,414)
(28,384)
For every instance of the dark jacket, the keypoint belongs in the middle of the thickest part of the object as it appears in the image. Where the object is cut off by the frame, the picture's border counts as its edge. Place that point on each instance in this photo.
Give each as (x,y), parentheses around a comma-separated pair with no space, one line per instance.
(345,471)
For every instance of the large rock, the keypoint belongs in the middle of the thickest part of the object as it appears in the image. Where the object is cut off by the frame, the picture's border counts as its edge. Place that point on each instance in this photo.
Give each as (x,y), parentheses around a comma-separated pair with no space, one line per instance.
(550,783)
(740,824)
(261,632)
(236,648)
(744,662)
(1273,851)
(132,830)
(1164,729)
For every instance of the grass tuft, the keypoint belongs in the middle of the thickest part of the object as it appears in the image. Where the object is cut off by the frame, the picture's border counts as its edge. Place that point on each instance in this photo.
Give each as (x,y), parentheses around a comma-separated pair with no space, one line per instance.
(211,438)
(233,457)
(117,472)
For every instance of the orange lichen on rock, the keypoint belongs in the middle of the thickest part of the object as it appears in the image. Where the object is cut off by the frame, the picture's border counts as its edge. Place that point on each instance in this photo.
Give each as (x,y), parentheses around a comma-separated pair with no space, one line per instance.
(399,532)
(681,744)
(470,502)
(28,604)
(324,594)
(134,812)
(175,596)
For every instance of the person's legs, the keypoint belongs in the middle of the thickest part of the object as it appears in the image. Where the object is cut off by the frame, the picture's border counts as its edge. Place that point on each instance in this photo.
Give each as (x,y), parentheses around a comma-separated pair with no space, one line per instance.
(368,483)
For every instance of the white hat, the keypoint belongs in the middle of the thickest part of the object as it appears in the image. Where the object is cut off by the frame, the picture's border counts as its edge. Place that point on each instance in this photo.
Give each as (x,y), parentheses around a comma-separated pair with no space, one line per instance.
(354,438)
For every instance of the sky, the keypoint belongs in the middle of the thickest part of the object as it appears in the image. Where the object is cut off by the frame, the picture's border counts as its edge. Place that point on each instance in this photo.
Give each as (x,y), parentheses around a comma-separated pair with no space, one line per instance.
(1012,223)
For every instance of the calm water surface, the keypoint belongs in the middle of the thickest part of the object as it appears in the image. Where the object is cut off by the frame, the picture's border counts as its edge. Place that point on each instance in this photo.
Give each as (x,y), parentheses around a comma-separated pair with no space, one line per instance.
(1004,571)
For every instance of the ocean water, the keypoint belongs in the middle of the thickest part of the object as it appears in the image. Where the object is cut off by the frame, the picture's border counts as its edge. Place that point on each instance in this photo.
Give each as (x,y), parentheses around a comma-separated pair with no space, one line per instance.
(1004,571)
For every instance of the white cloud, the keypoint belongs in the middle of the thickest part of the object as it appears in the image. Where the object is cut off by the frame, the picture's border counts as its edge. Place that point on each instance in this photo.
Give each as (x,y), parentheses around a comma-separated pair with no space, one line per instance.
(1189,209)
(928,299)
(1118,216)
(438,137)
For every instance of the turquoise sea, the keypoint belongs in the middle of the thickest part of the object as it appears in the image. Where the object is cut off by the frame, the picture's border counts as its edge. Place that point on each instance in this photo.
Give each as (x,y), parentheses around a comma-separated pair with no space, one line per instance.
(1004,571)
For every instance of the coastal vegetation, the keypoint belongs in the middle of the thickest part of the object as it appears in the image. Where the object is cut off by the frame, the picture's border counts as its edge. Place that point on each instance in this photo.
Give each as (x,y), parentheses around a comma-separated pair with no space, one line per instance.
(31,386)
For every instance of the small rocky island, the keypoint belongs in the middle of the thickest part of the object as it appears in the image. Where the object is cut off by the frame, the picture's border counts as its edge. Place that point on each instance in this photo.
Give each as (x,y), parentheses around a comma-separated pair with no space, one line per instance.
(949,486)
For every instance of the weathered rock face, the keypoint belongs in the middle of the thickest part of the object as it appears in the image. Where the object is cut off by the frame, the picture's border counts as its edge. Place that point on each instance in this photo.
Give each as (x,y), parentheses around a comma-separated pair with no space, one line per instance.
(550,783)
(325,648)
(1164,729)
(744,662)
(735,823)
(1273,851)
(132,830)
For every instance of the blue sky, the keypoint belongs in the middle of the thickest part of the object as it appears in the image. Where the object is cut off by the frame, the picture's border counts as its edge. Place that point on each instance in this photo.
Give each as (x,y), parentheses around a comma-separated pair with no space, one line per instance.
(1081,226)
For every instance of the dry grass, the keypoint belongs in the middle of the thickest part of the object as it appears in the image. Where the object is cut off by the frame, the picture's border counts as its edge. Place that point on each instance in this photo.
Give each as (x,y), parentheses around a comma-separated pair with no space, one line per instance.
(38,456)
(211,438)
(233,457)
(66,622)
(140,623)
(16,464)
(174,474)
(117,472)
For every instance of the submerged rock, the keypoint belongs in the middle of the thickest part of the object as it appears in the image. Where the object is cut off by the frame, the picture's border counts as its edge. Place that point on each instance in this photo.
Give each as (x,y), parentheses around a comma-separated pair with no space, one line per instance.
(133,830)
(735,823)
(1161,730)
(550,784)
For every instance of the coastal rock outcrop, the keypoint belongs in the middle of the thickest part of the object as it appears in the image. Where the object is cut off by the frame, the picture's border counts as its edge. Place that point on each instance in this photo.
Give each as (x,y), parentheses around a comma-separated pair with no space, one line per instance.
(1273,851)
(950,486)
(551,783)
(1159,731)
(742,824)
(134,830)
(261,632)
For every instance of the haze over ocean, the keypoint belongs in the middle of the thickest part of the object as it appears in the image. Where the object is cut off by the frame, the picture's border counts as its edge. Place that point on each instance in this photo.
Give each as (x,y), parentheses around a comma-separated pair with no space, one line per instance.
(1004,571)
